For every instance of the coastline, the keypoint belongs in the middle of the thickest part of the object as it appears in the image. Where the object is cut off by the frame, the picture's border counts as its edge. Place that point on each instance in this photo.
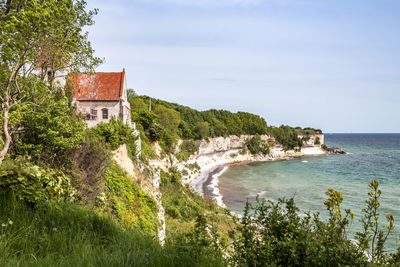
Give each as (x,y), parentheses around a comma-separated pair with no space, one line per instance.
(207,182)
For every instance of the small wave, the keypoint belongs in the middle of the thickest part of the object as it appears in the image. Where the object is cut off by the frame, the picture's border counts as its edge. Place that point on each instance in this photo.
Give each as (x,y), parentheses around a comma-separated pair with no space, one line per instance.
(305,161)
(262,193)
(216,194)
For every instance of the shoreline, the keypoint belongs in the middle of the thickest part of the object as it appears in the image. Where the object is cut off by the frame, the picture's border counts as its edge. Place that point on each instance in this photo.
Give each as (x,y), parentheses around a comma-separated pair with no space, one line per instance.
(207,182)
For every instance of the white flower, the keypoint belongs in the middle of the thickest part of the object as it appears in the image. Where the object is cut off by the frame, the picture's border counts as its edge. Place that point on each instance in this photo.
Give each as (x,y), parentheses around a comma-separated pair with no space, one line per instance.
(3,224)
(54,229)
(10,222)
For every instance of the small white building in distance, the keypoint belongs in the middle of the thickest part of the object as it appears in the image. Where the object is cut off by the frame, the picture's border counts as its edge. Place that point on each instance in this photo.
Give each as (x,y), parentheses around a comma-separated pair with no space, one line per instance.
(100,96)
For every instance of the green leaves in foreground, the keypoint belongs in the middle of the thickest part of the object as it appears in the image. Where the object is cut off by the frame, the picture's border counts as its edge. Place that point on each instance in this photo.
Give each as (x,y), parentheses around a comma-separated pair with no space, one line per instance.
(32,183)
(274,234)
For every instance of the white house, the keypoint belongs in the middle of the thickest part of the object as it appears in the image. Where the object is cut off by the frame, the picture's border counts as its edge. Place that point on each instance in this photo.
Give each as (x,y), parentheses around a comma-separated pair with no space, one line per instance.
(101,96)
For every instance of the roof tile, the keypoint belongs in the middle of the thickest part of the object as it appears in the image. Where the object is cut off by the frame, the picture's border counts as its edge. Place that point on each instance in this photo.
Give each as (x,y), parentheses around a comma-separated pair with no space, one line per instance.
(106,86)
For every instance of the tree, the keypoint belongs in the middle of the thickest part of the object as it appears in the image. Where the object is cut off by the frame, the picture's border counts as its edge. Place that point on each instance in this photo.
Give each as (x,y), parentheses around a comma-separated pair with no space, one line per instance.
(38,40)
(168,118)
(203,129)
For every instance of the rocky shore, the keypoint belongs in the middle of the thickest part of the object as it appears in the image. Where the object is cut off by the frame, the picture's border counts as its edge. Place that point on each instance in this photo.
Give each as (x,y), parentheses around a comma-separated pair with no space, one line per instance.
(335,151)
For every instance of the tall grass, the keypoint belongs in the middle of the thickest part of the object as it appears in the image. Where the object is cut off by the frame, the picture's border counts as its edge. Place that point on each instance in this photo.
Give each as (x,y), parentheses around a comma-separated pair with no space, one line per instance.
(65,234)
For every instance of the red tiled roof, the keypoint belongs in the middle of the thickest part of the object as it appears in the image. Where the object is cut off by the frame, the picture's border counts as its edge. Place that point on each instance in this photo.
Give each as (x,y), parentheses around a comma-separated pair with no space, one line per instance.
(106,86)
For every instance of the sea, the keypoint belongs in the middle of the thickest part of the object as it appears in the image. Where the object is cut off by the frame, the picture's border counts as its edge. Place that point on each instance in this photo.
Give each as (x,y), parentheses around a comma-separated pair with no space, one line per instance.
(306,179)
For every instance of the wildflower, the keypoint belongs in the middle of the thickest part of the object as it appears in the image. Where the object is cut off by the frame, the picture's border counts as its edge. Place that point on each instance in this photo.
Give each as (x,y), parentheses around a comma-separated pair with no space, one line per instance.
(54,229)
(10,222)
(3,224)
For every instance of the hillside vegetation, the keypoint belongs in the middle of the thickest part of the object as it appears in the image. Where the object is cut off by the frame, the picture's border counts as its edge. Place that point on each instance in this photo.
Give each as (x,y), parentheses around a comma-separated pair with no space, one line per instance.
(167,122)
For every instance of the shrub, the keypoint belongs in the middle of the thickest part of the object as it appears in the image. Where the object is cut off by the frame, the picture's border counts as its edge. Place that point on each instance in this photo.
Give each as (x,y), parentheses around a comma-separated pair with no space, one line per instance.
(32,183)
(133,207)
(188,146)
(90,162)
(275,234)
(116,133)
(257,146)
(317,141)
(156,132)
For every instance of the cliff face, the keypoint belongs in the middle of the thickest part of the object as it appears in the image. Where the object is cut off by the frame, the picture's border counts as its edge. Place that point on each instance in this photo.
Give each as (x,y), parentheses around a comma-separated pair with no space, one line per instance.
(149,186)
(221,144)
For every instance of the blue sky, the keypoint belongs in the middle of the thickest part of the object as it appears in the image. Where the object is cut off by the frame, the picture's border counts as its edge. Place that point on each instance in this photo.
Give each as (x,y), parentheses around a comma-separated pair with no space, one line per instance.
(333,65)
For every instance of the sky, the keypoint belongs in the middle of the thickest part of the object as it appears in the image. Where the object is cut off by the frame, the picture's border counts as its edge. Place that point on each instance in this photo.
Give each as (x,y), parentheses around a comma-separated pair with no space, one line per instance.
(328,64)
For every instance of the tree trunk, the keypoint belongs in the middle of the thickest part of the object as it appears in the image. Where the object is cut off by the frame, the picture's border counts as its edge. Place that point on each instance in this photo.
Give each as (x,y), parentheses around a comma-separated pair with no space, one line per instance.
(7,135)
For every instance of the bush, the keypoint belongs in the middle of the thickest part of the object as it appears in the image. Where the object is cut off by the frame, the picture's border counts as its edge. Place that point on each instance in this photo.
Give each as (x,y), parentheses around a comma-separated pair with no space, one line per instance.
(32,183)
(275,234)
(132,207)
(116,133)
(188,146)
(317,141)
(90,162)
(257,146)
(156,132)
(50,133)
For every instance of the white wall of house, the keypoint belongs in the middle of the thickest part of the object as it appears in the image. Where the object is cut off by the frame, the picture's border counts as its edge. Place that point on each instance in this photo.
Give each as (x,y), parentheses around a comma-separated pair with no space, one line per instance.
(85,107)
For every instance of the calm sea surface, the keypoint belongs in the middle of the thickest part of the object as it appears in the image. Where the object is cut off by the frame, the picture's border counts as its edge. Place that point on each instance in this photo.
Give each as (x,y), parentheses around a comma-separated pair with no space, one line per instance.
(371,156)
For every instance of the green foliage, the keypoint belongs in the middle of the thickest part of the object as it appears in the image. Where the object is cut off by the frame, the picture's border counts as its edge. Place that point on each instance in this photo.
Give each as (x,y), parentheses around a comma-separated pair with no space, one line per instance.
(66,234)
(202,241)
(32,183)
(187,148)
(146,152)
(46,36)
(286,136)
(168,118)
(188,123)
(116,133)
(203,129)
(170,121)
(193,166)
(168,142)
(274,234)
(257,146)
(317,141)
(372,239)
(156,132)
(145,118)
(172,176)
(89,164)
(132,207)
(324,147)
(50,133)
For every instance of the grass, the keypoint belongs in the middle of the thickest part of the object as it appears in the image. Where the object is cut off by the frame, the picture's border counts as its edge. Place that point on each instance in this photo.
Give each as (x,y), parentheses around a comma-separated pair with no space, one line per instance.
(67,234)
(182,207)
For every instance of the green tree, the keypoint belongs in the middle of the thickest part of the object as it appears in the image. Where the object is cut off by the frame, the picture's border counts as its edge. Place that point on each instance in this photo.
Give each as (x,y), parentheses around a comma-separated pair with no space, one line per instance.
(168,118)
(38,39)
(256,145)
(203,129)
(50,133)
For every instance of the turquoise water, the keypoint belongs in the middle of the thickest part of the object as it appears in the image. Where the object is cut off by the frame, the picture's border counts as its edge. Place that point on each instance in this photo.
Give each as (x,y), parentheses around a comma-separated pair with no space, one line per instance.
(371,156)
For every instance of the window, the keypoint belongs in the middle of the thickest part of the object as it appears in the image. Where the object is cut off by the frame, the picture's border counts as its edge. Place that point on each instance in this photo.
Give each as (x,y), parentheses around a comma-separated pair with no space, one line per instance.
(105,113)
(93,113)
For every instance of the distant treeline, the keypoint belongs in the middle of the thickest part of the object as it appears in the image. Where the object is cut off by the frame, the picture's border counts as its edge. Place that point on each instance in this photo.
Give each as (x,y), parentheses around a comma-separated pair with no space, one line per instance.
(167,121)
